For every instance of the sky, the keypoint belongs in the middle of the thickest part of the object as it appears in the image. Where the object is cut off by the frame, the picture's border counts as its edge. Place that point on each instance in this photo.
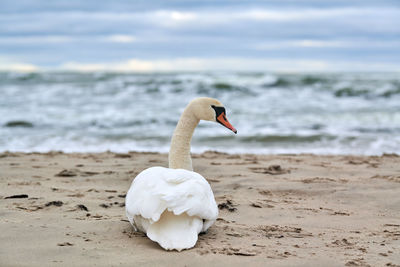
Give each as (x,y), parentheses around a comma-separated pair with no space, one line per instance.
(146,36)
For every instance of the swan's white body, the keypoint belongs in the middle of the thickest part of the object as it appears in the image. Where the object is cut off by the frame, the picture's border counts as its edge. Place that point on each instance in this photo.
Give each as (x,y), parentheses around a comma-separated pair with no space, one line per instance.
(173,205)
(170,206)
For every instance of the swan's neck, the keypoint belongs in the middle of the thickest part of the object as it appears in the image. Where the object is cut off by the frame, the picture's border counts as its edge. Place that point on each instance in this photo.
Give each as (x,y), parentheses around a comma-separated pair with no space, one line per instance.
(179,153)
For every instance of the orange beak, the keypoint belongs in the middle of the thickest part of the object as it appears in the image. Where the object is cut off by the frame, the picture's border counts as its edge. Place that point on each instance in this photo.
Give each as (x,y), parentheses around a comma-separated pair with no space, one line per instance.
(224,121)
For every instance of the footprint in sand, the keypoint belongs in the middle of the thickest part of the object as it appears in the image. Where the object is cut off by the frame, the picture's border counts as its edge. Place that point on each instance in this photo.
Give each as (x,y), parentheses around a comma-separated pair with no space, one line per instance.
(391,178)
(273,170)
(65,244)
(342,243)
(17,196)
(56,203)
(277,231)
(75,172)
(121,155)
(82,207)
(227,205)
(317,180)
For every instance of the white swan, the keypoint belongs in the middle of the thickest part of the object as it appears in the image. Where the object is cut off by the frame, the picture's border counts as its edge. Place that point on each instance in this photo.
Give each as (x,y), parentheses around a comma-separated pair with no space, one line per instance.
(173,205)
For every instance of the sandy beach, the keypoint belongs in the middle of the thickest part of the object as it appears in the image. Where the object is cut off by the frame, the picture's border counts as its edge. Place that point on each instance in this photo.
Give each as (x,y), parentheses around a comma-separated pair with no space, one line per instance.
(62,209)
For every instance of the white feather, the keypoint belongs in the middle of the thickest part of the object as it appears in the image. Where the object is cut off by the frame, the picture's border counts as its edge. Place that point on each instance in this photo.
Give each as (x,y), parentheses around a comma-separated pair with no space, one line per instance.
(172,206)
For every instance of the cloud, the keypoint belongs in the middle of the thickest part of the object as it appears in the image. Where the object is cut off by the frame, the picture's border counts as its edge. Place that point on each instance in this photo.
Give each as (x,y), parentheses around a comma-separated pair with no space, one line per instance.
(58,39)
(132,65)
(199,36)
(319,43)
(175,15)
(18,67)
(120,38)
(231,64)
(36,39)
(364,17)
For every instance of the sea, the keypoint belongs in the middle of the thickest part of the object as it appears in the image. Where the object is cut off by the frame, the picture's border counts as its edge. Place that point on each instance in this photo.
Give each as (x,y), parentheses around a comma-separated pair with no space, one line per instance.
(274,113)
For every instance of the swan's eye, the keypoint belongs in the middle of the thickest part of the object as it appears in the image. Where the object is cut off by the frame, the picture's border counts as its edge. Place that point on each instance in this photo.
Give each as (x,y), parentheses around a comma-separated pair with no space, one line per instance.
(218,111)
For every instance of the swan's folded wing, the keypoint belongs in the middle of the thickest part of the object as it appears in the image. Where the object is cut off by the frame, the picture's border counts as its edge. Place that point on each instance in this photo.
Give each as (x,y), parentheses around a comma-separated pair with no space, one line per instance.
(177,190)
(143,197)
(192,195)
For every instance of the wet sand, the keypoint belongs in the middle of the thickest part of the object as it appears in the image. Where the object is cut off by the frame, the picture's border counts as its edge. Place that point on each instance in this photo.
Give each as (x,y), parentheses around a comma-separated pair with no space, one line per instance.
(284,210)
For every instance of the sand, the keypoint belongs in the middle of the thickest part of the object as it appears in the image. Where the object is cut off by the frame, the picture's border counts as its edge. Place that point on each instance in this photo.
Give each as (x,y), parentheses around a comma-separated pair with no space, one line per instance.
(281,210)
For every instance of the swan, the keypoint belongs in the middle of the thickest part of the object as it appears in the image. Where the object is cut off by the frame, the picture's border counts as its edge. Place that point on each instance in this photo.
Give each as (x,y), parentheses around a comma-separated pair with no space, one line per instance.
(173,205)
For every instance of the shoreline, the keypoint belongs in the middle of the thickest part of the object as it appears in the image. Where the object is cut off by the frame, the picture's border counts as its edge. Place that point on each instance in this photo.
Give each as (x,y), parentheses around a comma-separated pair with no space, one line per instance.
(283,210)
(55,152)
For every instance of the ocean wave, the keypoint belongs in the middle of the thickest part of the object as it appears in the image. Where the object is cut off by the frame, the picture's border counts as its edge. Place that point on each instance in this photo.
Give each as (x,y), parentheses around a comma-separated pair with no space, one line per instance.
(20,123)
(329,113)
(270,139)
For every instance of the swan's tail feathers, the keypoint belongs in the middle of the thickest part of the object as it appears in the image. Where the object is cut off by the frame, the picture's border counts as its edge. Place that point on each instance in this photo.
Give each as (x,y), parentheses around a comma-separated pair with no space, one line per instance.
(175,231)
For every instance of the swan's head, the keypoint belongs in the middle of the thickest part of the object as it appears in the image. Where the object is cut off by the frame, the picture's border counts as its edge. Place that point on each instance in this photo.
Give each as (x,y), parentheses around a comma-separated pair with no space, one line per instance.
(210,109)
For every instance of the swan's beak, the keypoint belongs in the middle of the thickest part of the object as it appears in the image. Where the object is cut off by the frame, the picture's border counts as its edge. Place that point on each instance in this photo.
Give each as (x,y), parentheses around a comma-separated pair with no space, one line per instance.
(224,121)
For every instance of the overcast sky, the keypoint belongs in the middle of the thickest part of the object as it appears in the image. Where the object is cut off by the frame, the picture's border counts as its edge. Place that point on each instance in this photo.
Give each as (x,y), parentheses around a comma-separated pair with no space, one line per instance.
(280,35)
